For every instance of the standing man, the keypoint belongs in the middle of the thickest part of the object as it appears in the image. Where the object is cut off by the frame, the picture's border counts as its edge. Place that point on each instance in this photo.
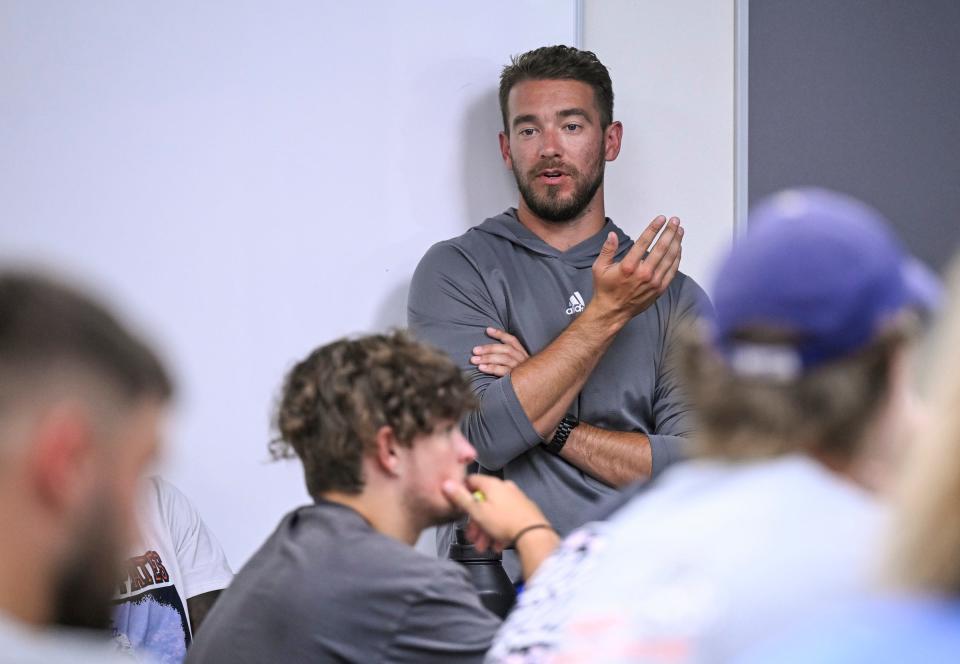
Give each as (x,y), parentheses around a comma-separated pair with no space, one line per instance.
(577,398)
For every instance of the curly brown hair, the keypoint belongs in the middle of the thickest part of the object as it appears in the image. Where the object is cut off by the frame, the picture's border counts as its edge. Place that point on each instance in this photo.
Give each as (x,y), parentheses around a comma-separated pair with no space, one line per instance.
(559,63)
(334,402)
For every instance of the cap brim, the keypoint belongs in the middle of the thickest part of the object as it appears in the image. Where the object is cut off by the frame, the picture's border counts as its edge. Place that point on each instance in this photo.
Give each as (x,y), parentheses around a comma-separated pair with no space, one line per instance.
(923,287)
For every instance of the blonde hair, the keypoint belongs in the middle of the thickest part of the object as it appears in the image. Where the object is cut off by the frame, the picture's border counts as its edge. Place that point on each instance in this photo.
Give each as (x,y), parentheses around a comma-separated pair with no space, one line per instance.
(825,411)
(925,550)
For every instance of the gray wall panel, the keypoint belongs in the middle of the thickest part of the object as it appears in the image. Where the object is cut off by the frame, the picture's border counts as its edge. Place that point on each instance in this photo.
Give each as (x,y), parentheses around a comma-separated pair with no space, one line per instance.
(862,96)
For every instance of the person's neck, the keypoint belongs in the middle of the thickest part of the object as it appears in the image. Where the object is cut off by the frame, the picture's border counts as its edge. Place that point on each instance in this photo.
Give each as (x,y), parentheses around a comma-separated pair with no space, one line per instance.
(384,512)
(859,470)
(562,235)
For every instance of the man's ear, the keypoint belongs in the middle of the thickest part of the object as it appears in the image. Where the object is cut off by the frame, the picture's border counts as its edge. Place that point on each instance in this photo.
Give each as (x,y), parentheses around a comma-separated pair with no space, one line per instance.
(388,455)
(505,149)
(61,462)
(612,139)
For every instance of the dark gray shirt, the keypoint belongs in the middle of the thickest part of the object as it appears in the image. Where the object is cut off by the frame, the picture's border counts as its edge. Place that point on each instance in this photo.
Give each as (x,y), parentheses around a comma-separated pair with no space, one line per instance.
(500,274)
(327,587)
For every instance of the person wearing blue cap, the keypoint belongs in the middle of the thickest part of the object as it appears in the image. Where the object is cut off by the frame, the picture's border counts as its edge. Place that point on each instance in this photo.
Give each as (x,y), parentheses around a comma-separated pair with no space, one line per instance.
(799,385)
(915,614)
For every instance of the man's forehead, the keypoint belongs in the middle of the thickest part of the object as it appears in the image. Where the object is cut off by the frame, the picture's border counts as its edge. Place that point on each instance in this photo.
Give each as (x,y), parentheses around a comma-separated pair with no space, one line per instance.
(546,97)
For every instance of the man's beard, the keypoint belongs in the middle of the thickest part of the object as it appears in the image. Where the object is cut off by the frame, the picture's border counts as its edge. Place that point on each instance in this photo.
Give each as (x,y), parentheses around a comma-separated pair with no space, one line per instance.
(551,207)
(86,582)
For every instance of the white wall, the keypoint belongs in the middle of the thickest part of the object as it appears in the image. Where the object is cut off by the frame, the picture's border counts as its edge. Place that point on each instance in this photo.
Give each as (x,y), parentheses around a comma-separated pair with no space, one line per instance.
(673,66)
(247,180)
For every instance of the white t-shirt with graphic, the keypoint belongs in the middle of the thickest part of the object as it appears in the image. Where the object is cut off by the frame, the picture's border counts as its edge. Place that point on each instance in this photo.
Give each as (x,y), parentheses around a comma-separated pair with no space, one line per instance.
(178,559)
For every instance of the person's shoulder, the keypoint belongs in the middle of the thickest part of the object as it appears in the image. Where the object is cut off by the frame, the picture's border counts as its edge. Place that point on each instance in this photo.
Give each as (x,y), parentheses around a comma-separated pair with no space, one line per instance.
(685,285)
(841,499)
(452,255)
(364,547)
(170,502)
(686,297)
(881,630)
(417,576)
(476,244)
(447,573)
(166,491)
(686,282)
(426,573)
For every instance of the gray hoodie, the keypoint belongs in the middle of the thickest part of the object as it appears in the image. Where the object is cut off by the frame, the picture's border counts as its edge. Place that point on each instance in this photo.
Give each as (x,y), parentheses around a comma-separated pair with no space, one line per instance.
(501,274)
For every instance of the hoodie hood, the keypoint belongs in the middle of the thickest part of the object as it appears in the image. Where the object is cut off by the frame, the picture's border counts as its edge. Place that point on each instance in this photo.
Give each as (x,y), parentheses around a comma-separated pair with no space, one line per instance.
(508,227)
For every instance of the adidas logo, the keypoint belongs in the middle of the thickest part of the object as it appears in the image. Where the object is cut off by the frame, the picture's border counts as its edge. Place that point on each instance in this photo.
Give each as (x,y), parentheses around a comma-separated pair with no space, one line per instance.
(576,303)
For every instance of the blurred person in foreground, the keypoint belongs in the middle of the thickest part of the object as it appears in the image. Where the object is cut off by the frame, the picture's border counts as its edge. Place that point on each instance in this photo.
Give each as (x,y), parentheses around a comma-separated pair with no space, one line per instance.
(81,404)
(800,392)
(374,422)
(915,617)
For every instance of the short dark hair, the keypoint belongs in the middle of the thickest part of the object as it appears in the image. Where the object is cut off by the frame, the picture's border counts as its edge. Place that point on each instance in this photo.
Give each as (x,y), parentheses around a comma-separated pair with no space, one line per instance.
(46,327)
(334,402)
(559,63)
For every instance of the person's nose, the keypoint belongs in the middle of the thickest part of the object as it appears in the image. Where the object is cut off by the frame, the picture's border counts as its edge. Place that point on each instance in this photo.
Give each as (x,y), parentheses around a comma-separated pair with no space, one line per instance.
(550,146)
(467,452)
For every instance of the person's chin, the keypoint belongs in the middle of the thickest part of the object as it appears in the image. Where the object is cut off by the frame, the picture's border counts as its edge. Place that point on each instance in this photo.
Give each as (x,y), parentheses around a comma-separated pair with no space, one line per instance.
(447,515)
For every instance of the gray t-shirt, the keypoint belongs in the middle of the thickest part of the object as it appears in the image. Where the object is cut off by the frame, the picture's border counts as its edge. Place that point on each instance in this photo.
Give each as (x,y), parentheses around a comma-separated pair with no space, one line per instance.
(327,587)
(500,274)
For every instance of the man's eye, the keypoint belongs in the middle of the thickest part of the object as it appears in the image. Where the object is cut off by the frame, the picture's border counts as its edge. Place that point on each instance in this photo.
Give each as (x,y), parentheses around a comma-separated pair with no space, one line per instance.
(529,131)
(572,127)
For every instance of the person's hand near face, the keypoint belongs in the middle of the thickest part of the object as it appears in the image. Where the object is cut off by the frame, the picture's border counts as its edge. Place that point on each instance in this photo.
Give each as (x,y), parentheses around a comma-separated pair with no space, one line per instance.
(501,515)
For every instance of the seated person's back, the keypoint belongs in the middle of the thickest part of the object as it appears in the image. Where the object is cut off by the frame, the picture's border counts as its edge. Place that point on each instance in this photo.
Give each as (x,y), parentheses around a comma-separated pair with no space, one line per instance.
(327,584)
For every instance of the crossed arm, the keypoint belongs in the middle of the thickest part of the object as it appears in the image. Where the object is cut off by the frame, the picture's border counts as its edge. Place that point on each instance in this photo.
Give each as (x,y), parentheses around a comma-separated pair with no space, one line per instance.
(547,383)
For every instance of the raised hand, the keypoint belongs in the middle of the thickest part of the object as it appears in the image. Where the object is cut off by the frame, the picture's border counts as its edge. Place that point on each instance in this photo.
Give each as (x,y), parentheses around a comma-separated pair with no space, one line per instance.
(628,287)
(501,358)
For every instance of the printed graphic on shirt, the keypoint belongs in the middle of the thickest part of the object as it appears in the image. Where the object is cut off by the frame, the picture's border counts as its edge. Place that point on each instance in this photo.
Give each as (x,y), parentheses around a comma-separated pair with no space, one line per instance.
(576,304)
(149,616)
(532,631)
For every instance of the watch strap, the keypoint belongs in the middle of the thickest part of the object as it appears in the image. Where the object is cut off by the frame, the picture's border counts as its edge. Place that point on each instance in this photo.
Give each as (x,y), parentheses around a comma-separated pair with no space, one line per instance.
(566,425)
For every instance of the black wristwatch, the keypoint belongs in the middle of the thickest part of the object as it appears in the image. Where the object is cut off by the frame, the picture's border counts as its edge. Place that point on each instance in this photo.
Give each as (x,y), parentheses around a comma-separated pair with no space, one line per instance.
(567,424)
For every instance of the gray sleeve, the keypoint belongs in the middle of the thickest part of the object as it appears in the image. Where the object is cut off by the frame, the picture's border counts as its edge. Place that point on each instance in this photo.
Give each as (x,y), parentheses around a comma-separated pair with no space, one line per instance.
(445,623)
(450,308)
(673,417)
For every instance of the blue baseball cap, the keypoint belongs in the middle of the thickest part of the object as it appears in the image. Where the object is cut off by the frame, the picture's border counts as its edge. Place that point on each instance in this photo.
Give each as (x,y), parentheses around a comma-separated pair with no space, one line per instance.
(824,269)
